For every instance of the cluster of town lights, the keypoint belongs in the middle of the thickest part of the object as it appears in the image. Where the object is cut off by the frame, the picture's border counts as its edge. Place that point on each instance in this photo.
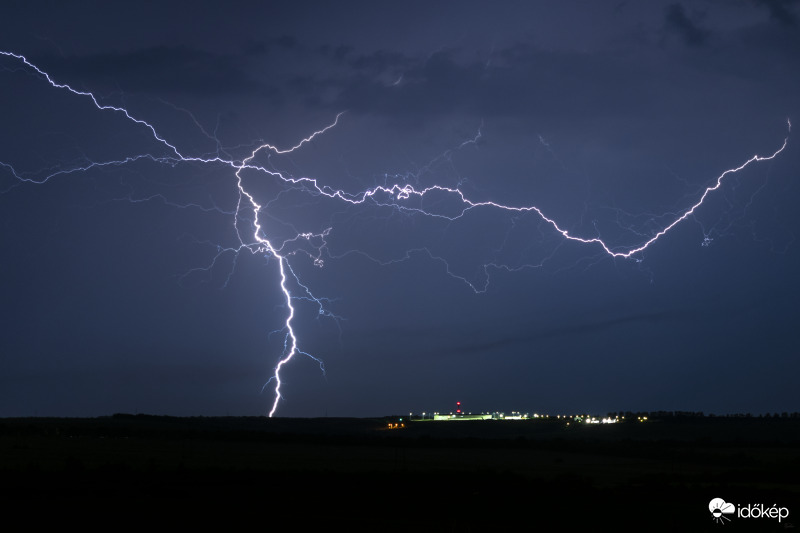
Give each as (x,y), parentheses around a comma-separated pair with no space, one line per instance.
(516,415)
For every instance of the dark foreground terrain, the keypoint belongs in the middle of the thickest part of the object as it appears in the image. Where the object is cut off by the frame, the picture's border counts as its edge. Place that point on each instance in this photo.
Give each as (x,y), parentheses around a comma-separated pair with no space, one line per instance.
(293,474)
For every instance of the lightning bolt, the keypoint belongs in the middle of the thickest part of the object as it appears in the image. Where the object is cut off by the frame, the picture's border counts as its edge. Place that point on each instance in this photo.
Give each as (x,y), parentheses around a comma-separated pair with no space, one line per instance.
(397,196)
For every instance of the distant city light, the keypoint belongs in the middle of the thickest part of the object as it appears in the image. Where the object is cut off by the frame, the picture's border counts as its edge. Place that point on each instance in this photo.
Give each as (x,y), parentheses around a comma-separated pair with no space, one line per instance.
(459,414)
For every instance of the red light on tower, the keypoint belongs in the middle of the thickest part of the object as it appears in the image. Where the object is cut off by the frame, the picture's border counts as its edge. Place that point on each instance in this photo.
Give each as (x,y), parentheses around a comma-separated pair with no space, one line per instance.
(458,408)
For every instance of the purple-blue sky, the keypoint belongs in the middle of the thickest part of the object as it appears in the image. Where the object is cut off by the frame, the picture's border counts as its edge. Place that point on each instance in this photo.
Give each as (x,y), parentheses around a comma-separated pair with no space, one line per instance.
(610,117)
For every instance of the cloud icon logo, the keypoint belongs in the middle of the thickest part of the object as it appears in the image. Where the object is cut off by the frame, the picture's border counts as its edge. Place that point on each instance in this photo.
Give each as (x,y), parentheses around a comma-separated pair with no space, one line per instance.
(719,508)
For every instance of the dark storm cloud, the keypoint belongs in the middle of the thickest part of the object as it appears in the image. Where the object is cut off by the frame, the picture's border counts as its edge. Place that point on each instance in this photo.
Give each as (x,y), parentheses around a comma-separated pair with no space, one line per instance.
(157,69)
(381,61)
(677,21)
(433,87)
(780,10)
(339,52)
(261,47)
(521,80)
(758,53)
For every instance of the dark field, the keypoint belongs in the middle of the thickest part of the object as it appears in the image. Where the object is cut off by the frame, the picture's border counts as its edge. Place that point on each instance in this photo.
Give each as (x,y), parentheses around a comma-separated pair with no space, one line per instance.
(429,476)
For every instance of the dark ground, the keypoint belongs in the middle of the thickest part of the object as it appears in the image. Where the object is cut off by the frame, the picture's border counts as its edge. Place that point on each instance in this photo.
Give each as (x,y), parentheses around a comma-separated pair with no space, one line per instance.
(429,476)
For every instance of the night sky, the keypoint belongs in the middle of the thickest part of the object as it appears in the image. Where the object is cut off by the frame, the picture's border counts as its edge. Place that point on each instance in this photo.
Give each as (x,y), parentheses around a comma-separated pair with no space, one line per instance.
(120,290)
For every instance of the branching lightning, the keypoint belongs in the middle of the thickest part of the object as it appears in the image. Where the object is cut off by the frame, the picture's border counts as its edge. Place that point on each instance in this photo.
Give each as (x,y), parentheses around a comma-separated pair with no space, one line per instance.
(394,195)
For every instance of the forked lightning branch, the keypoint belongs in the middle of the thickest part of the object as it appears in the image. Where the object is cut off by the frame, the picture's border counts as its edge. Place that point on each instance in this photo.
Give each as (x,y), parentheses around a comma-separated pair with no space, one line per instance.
(248,212)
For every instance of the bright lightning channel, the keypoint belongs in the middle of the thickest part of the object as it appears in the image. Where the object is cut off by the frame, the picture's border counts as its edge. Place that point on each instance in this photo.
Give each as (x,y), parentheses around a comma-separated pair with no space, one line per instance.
(397,192)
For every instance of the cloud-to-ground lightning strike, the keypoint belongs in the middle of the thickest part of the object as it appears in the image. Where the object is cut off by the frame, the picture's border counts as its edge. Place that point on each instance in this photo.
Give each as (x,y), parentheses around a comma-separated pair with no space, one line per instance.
(394,195)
